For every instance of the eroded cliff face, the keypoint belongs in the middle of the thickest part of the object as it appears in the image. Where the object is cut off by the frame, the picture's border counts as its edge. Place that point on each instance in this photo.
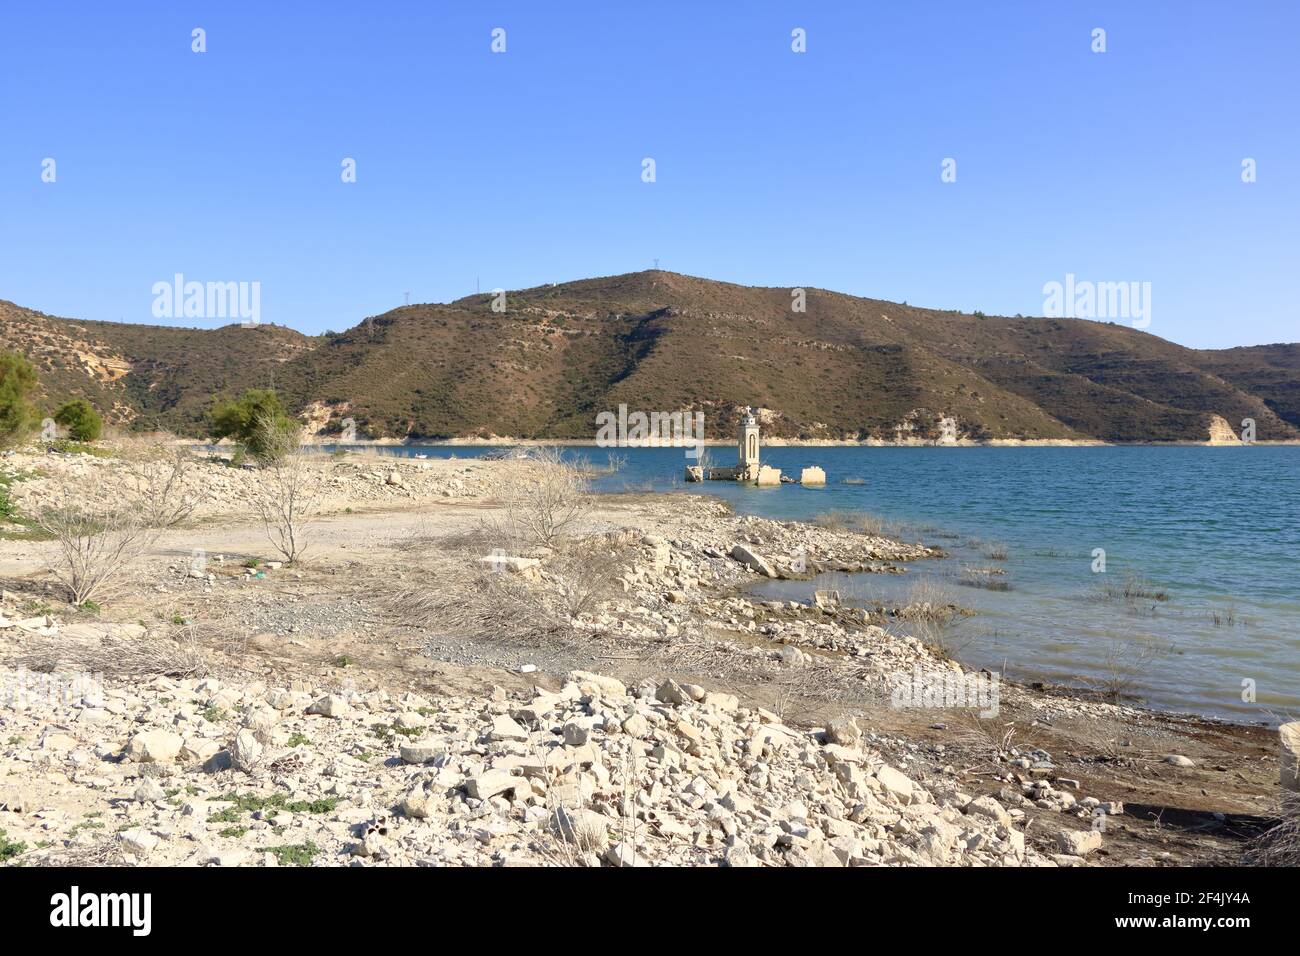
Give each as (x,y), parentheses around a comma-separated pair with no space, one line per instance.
(1221,432)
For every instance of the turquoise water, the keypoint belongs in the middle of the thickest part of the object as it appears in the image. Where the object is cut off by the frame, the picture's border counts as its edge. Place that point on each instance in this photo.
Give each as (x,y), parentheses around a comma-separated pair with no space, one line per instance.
(1218,529)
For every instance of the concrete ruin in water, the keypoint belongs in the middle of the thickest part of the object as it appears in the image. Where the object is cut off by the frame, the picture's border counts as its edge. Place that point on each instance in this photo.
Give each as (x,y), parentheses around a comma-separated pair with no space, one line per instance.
(748,466)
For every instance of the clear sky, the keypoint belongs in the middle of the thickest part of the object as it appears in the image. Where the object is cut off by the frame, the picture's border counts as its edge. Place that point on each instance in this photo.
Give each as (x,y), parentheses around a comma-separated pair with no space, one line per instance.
(772,167)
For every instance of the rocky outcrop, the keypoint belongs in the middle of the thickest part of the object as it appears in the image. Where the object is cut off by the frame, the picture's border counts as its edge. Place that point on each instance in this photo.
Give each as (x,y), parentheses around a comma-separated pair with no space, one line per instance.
(1221,433)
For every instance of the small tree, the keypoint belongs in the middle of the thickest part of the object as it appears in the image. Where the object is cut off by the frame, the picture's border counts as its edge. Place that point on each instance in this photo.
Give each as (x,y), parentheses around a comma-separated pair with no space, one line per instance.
(80,419)
(285,499)
(17,416)
(245,421)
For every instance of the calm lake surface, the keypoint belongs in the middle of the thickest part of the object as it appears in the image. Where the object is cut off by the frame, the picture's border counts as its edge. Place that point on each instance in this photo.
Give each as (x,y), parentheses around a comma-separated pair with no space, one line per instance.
(1217,529)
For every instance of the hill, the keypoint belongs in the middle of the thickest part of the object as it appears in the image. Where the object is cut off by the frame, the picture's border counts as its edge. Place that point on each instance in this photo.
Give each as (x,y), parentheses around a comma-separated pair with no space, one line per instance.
(146,376)
(845,367)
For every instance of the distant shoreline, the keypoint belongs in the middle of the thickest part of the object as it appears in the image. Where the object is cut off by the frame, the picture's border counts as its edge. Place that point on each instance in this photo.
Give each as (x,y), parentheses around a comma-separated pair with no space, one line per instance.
(497,441)
(504,442)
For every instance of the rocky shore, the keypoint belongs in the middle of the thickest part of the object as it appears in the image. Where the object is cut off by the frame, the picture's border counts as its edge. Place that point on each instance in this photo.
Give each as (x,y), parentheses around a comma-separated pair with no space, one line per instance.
(175,772)
(260,713)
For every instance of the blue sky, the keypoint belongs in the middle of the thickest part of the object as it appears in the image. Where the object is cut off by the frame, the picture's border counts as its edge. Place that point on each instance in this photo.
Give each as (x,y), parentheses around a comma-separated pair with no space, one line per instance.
(773,168)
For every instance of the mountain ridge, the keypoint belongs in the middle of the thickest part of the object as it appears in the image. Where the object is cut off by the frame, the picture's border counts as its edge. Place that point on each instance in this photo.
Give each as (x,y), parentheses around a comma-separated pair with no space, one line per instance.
(846,367)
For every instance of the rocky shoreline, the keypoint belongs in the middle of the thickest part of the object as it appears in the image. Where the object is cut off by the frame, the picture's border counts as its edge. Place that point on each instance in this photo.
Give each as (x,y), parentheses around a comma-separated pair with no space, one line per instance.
(297,712)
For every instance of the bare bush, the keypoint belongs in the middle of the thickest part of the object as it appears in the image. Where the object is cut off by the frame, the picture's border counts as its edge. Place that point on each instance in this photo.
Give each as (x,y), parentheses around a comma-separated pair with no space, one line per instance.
(703,459)
(1126,660)
(484,600)
(427,536)
(286,497)
(582,577)
(1280,844)
(104,852)
(928,600)
(933,635)
(475,603)
(861,522)
(614,463)
(545,500)
(804,694)
(97,547)
(995,551)
(988,738)
(988,578)
(107,650)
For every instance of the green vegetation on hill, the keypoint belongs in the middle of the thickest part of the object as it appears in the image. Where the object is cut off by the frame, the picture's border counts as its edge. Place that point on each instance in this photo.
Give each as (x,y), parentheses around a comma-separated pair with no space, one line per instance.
(17,416)
(558,355)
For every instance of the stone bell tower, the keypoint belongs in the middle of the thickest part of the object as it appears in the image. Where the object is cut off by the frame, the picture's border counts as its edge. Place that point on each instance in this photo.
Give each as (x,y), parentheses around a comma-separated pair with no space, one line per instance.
(747,464)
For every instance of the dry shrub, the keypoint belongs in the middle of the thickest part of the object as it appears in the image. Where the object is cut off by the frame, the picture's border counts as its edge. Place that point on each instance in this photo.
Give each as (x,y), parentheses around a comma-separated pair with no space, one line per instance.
(582,577)
(933,634)
(1126,661)
(929,601)
(1279,845)
(103,650)
(988,578)
(425,537)
(995,551)
(805,695)
(483,600)
(546,499)
(987,737)
(105,852)
(96,547)
(286,496)
(861,522)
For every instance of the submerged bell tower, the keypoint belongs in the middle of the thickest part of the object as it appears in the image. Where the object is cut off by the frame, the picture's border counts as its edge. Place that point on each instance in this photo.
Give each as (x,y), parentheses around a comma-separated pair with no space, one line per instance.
(747,464)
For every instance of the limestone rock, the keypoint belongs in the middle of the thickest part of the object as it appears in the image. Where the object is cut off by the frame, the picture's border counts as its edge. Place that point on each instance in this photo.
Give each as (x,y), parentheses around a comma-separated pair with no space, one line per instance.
(989,808)
(752,560)
(420,751)
(492,782)
(1289,738)
(588,682)
(154,746)
(416,804)
(246,751)
(636,726)
(844,731)
(331,705)
(894,783)
(1078,842)
(149,791)
(671,692)
(505,728)
(138,842)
